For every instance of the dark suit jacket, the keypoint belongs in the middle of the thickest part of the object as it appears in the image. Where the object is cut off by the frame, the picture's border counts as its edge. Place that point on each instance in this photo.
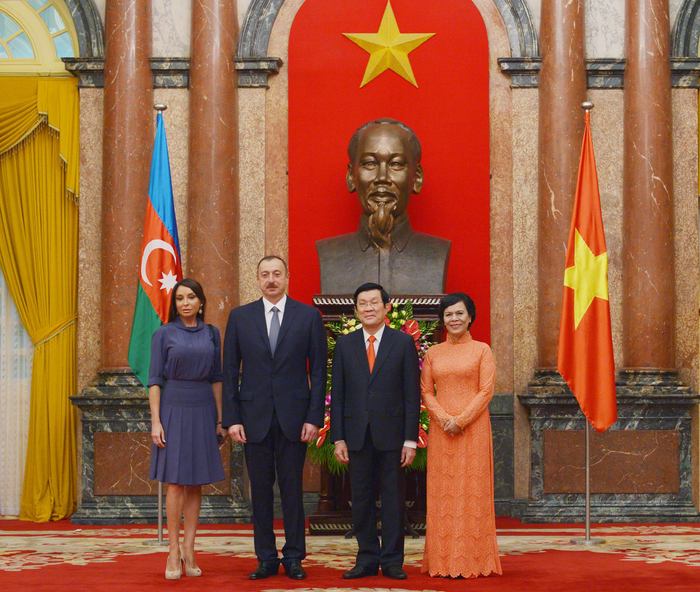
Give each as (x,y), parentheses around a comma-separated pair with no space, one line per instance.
(278,383)
(388,399)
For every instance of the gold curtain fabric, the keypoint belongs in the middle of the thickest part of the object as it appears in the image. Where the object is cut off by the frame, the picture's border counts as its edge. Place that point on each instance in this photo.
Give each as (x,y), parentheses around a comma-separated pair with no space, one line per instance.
(39,125)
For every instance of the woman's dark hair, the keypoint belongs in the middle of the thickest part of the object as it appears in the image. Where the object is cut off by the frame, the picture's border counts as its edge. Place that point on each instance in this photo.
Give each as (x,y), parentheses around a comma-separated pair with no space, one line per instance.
(456,298)
(368,287)
(196,287)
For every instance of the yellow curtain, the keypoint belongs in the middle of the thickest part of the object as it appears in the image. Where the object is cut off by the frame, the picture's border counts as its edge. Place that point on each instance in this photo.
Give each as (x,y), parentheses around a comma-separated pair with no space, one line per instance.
(39,125)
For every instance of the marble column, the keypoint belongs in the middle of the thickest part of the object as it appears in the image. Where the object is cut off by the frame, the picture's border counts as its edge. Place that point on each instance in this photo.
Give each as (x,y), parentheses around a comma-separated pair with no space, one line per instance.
(648,263)
(129,124)
(213,157)
(562,89)
(129,121)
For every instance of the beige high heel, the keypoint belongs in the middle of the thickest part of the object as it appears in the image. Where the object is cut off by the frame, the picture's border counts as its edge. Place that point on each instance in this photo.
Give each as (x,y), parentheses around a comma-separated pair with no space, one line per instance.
(174,574)
(192,572)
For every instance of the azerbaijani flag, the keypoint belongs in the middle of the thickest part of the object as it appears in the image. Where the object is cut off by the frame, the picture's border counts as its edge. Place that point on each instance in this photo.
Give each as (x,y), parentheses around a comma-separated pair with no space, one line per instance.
(585,357)
(160,267)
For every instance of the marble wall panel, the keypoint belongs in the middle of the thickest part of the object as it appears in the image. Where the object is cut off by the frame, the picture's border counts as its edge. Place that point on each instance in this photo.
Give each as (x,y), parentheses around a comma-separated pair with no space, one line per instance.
(277,138)
(661,409)
(525,134)
(501,412)
(90,236)
(685,204)
(674,7)
(252,139)
(242,9)
(89,333)
(172,27)
(644,461)
(115,419)
(501,198)
(605,25)
(535,7)
(607,134)
(123,463)
(176,120)
(172,20)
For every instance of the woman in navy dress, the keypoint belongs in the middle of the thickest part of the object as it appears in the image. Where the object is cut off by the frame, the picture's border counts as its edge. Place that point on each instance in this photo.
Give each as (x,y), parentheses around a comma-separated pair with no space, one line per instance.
(184,391)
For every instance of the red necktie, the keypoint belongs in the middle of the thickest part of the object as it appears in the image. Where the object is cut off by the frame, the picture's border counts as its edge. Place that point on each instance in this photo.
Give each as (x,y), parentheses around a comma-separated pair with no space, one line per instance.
(370,353)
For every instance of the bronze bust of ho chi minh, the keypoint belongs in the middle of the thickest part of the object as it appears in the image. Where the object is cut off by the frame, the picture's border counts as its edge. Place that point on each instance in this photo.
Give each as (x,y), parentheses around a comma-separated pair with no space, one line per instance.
(385,170)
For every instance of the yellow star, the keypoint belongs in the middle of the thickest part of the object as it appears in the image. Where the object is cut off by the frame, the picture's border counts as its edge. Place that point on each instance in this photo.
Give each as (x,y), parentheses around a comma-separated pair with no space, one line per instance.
(388,48)
(588,277)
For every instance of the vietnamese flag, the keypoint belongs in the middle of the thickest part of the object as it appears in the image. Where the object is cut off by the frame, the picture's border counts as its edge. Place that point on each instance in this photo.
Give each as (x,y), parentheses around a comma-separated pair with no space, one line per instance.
(585,338)
(160,267)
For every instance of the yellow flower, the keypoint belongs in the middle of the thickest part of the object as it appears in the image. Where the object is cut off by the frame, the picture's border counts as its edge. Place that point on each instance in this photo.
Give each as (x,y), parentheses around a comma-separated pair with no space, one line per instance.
(394,315)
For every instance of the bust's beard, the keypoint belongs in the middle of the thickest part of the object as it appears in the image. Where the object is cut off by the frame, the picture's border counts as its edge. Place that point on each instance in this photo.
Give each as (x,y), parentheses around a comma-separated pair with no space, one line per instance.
(381,223)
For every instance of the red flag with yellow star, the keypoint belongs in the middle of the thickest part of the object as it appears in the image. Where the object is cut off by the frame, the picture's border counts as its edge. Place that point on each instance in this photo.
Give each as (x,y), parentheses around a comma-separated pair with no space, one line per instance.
(585,338)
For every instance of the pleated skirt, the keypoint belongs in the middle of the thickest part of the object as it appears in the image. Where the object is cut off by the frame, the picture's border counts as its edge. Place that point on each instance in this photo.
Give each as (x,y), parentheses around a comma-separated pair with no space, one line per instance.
(191,454)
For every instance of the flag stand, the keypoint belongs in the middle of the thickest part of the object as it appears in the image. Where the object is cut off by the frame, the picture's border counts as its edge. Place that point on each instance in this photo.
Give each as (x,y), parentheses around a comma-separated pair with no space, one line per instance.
(159,541)
(588,540)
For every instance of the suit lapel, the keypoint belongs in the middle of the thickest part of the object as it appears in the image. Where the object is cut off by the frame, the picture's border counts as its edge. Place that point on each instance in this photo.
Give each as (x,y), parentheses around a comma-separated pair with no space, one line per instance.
(259,319)
(357,341)
(290,311)
(385,345)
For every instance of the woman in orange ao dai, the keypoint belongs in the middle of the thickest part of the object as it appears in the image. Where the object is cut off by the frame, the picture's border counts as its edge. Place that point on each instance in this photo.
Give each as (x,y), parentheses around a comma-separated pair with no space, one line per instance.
(457,383)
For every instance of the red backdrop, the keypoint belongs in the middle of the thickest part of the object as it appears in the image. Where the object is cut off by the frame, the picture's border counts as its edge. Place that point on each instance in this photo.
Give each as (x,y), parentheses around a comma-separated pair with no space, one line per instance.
(448,111)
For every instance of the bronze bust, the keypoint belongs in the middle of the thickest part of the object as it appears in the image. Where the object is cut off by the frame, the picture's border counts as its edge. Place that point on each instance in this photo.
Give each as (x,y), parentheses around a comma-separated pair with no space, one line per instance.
(385,170)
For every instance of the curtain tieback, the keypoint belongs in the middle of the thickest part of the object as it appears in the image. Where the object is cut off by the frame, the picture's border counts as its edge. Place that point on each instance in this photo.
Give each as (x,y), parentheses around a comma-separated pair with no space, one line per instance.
(52,330)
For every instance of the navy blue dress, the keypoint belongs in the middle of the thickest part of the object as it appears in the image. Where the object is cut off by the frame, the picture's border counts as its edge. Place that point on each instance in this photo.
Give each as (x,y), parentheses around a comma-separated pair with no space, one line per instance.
(185,361)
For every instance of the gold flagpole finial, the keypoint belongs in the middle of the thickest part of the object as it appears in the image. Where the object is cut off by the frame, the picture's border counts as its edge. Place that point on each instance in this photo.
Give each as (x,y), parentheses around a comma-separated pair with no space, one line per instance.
(587,106)
(160,107)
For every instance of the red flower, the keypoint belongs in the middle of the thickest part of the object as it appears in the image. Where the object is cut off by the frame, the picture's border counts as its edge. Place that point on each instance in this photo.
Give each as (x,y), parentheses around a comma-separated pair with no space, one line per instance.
(422,438)
(323,431)
(412,328)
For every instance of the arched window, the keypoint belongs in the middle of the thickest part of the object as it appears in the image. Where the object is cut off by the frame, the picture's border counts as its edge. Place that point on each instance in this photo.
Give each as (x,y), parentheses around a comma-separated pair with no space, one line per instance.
(34,36)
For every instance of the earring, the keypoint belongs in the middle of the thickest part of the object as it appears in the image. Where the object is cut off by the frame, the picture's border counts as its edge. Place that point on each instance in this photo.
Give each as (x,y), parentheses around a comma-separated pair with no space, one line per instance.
(201,309)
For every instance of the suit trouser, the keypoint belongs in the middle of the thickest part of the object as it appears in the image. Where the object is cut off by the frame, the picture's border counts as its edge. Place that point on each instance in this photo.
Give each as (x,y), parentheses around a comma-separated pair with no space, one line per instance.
(277,454)
(370,467)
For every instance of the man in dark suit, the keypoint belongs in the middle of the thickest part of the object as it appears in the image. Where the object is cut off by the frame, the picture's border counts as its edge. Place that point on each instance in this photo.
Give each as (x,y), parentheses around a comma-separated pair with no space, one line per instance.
(276,410)
(375,409)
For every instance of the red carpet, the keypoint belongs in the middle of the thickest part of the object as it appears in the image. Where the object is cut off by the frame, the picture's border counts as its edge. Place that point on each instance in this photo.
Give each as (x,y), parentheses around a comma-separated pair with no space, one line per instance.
(538,558)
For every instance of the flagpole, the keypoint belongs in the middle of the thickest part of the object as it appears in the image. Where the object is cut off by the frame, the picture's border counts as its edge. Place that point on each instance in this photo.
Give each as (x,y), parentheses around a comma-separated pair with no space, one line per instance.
(159,541)
(588,107)
(588,540)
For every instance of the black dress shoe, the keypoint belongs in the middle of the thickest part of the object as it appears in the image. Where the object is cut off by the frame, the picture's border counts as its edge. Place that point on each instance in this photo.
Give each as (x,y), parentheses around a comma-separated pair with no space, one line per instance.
(360,571)
(265,570)
(295,570)
(395,572)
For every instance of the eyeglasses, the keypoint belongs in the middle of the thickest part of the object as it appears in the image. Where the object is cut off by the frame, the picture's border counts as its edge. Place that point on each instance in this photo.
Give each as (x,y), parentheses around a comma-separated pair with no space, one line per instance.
(372,304)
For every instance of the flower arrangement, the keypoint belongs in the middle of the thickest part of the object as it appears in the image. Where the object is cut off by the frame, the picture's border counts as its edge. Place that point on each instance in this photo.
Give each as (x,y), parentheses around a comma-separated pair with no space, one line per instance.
(400,318)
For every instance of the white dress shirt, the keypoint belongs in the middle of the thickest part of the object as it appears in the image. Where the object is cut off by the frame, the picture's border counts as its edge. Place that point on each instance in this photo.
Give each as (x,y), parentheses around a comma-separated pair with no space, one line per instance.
(268,311)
